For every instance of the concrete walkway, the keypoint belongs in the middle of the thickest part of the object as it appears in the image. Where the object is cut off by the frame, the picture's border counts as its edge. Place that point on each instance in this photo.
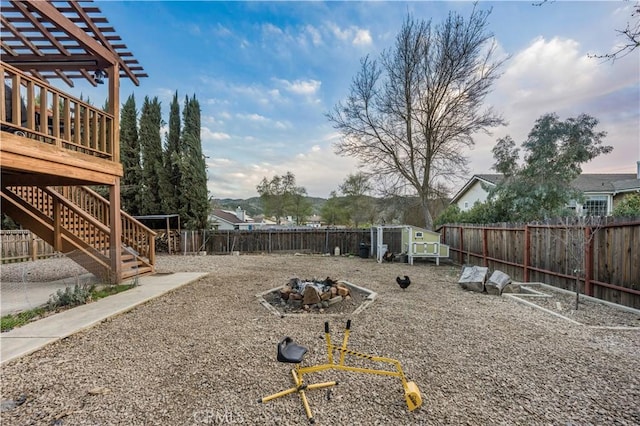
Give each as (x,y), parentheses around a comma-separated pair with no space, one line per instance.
(33,336)
(18,297)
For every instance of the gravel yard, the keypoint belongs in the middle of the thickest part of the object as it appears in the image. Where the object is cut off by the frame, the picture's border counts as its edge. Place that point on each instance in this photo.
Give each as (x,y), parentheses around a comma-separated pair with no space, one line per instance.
(205,353)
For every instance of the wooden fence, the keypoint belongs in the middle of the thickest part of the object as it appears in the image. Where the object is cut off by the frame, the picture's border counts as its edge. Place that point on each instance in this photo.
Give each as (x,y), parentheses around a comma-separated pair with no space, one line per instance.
(22,245)
(603,259)
(312,240)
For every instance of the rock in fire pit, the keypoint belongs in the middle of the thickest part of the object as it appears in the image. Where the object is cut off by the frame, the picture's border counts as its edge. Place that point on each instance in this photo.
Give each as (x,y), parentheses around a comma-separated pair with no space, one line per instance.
(315,295)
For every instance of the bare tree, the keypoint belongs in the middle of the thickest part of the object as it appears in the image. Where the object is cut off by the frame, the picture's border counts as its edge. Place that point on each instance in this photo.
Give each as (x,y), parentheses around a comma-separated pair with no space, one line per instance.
(577,236)
(411,115)
(630,35)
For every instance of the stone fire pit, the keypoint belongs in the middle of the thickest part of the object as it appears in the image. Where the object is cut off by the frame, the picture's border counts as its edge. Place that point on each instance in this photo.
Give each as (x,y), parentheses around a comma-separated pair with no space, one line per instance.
(327,296)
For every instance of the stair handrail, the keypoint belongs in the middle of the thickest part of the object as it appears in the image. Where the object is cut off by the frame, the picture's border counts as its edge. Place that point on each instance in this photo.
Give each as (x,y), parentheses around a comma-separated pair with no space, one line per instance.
(132,230)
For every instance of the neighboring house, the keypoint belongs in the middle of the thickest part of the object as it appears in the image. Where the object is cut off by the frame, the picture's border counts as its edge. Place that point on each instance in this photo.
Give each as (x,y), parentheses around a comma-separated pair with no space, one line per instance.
(601,191)
(226,220)
(314,221)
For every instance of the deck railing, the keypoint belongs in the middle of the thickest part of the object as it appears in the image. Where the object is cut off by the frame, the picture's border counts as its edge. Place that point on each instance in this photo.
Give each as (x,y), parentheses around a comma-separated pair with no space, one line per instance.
(34,109)
(86,214)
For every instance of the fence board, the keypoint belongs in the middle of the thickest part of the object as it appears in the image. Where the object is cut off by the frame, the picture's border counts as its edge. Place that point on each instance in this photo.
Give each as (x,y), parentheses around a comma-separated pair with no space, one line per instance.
(22,245)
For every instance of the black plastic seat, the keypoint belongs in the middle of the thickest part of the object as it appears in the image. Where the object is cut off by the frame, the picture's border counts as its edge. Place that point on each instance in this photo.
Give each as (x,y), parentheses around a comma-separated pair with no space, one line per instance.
(290,352)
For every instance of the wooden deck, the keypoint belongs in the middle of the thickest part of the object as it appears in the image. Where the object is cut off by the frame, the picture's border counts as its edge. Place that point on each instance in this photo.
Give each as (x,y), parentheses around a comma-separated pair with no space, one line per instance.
(53,145)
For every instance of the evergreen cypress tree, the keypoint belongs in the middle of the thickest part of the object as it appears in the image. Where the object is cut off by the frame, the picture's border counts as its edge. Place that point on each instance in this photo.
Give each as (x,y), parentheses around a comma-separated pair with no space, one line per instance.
(194,203)
(153,173)
(131,185)
(171,202)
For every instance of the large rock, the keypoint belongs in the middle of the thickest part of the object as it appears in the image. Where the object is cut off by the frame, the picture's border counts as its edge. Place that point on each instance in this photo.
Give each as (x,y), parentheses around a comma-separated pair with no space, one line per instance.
(285,291)
(342,290)
(310,296)
(497,282)
(473,277)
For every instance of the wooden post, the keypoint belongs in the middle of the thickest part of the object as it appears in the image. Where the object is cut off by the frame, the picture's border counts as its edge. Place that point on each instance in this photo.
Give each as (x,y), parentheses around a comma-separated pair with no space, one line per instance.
(461,253)
(34,248)
(485,248)
(527,250)
(115,240)
(115,237)
(169,236)
(114,108)
(57,226)
(588,260)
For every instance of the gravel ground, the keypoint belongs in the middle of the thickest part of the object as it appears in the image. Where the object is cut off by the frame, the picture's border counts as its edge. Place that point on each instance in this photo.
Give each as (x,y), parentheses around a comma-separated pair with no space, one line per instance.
(589,312)
(205,353)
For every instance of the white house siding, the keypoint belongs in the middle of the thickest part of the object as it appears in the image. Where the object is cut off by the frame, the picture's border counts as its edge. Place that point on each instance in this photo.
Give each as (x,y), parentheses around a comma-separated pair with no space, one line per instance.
(473,194)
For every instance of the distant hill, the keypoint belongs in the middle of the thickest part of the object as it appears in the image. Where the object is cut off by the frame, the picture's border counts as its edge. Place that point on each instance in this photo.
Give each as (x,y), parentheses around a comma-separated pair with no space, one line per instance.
(398,210)
(253,205)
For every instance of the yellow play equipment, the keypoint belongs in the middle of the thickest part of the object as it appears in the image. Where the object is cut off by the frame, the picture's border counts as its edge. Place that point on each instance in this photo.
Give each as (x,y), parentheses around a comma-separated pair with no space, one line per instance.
(289,352)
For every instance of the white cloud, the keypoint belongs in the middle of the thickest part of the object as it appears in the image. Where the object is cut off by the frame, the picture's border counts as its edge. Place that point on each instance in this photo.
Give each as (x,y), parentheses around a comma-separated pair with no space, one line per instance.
(318,170)
(301,87)
(283,125)
(354,35)
(362,38)
(314,34)
(207,134)
(252,117)
(338,32)
(557,76)
(271,29)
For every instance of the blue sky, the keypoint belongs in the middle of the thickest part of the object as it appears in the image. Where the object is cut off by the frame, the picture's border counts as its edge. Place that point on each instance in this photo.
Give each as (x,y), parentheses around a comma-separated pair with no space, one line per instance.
(265,74)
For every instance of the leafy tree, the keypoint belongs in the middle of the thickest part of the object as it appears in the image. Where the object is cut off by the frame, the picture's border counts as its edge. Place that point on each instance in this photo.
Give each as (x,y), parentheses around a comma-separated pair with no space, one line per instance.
(153,175)
(172,157)
(8,223)
(278,194)
(554,153)
(131,187)
(300,206)
(451,214)
(411,114)
(194,200)
(628,207)
(359,206)
(333,211)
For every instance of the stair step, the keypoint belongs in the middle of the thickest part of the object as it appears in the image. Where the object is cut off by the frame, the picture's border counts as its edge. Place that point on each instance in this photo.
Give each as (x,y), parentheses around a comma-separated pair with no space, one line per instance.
(146,270)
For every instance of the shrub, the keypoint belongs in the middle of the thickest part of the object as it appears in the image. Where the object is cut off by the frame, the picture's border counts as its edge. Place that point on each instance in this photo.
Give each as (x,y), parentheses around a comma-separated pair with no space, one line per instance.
(628,207)
(79,294)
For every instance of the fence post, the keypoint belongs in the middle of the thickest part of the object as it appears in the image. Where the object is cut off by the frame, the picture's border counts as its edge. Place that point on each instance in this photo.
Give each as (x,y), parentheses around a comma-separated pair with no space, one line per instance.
(461,254)
(588,261)
(485,247)
(34,248)
(527,250)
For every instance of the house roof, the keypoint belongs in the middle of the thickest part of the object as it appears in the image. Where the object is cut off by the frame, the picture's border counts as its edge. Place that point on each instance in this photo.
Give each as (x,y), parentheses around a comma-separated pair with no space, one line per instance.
(226,216)
(603,182)
(586,182)
(63,39)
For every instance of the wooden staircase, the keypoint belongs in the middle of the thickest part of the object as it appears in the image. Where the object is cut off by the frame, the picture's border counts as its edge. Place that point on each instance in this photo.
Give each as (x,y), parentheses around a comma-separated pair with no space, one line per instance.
(75,221)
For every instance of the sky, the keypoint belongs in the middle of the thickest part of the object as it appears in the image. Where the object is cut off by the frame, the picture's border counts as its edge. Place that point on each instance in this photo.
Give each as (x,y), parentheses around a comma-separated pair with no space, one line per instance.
(266,73)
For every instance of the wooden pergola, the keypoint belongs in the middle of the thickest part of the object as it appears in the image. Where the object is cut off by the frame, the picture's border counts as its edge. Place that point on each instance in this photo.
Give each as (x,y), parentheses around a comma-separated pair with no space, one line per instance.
(50,138)
(64,40)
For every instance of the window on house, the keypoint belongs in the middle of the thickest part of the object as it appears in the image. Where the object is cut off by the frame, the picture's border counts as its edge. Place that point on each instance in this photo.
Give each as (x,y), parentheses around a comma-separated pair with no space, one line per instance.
(595,206)
(466,205)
